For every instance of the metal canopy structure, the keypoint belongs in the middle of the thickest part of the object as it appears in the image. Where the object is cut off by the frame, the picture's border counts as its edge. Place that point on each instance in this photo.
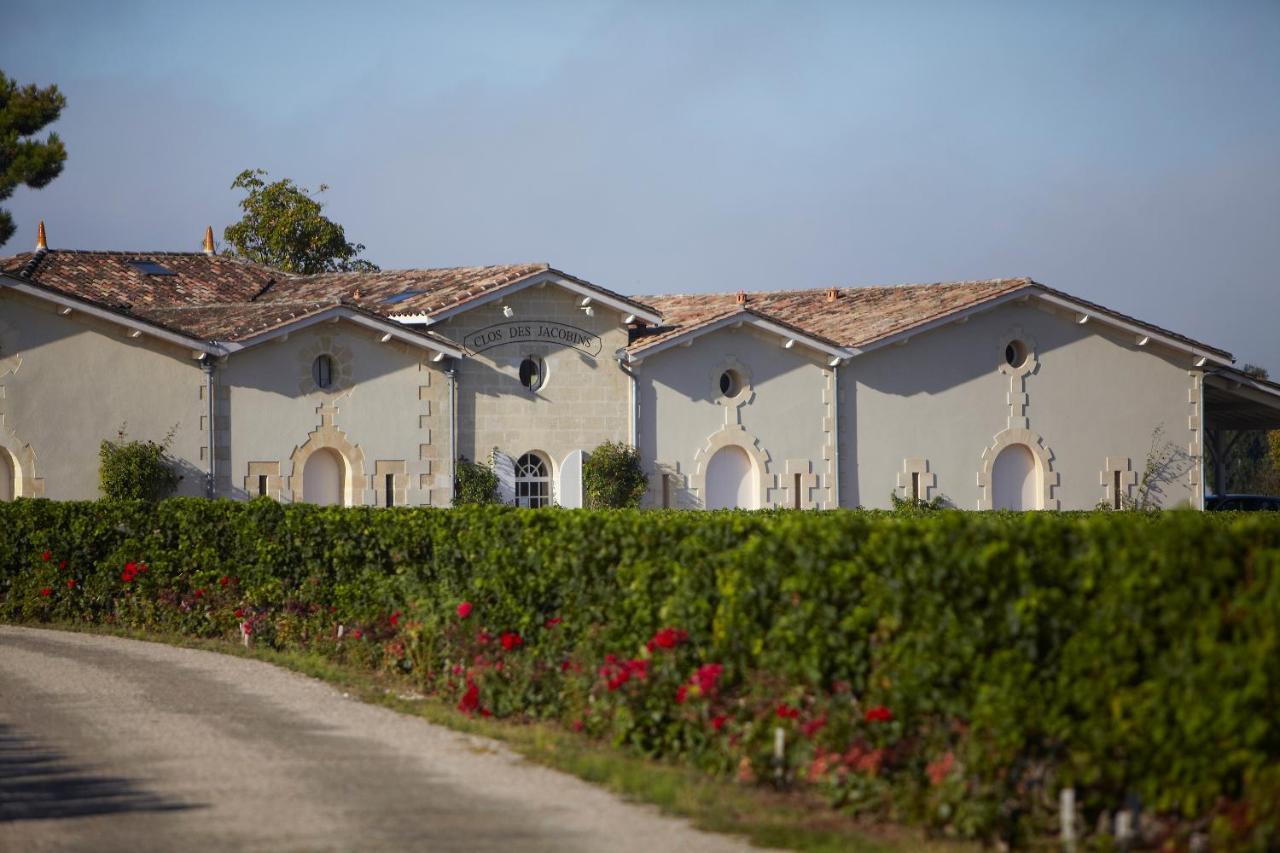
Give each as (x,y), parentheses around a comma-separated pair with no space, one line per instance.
(1235,402)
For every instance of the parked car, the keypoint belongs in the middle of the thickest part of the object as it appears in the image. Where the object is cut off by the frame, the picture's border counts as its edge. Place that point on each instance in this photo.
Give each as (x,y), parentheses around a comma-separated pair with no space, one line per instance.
(1246,503)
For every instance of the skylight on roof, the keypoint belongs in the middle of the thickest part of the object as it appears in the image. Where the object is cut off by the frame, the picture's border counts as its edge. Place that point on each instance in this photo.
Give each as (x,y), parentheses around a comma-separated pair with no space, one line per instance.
(402,296)
(150,267)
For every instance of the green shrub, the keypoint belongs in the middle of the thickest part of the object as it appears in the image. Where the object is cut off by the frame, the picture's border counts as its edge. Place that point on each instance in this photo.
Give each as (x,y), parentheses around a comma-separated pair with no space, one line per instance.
(955,669)
(613,477)
(474,484)
(136,470)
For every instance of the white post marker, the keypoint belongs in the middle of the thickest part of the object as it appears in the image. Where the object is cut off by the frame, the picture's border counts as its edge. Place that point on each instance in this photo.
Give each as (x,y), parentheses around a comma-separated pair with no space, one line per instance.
(779,751)
(1067,818)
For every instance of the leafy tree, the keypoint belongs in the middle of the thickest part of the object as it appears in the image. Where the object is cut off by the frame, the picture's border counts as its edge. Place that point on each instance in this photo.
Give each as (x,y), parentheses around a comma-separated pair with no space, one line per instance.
(474,483)
(613,478)
(29,162)
(283,227)
(136,470)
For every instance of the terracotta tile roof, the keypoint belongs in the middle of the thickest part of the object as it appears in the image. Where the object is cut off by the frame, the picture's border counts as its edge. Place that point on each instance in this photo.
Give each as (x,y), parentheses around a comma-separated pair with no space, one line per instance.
(108,278)
(859,316)
(856,317)
(223,298)
(423,291)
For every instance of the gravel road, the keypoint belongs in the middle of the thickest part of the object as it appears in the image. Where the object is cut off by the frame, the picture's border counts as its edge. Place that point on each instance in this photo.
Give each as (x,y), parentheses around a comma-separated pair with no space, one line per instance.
(110,744)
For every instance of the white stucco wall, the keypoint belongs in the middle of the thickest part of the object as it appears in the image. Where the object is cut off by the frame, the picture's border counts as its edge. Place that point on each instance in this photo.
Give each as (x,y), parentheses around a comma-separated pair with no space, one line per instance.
(69,382)
(944,398)
(387,412)
(782,420)
(584,402)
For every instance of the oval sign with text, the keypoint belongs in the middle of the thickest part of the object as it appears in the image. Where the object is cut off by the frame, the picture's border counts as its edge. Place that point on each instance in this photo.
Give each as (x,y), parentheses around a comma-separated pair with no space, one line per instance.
(540,331)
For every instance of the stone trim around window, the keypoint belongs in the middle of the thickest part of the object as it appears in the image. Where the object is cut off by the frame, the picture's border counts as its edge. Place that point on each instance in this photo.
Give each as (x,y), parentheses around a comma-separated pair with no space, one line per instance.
(398,469)
(918,466)
(253,482)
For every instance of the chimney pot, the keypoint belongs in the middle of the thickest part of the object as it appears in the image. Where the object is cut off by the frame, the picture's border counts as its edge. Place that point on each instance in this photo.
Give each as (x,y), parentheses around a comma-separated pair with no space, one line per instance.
(831,294)
(742,297)
(42,244)
(208,239)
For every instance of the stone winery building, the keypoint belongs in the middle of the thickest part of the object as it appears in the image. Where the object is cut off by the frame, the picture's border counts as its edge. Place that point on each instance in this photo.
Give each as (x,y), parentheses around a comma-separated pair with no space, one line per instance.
(364,388)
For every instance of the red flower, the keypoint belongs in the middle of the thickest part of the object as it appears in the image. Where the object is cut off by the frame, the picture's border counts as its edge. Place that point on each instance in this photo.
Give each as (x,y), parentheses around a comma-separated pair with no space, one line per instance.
(511,642)
(471,699)
(46,556)
(224,580)
(482,638)
(707,677)
(333,608)
(464,610)
(617,673)
(356,634)
(199,593)
(45,592)
(667,638)
(485,712)
(718,721)
(937,771)
(71,583)
(395,619)
(246,627)
(552,622)
(681,692)
(878,714)
(128,574)
(131,568)
(577,725)
(786,712)
(239,612)
(62,565)
(812,727)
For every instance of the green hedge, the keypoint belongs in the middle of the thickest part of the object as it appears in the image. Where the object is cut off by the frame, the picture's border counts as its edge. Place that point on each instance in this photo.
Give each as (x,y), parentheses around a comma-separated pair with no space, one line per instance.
(948,668)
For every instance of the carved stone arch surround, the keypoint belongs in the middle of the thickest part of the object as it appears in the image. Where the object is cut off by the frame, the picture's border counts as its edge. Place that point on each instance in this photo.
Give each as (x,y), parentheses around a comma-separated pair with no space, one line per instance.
(1046,476)
(327,436)
(737,435)
(20,454)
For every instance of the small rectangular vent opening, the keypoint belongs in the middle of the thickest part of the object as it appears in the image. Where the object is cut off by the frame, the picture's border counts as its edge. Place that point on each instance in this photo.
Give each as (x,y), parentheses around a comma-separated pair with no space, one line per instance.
(402,296)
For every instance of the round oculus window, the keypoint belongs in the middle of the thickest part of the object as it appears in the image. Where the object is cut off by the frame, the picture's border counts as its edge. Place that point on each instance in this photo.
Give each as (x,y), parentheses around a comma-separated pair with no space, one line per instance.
(1015,353)
(730,383)
(322,371)
(533,373)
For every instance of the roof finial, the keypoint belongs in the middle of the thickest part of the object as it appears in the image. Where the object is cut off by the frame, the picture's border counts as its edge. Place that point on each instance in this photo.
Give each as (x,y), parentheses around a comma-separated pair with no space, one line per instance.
(42,245)
(742,297)
(208,239)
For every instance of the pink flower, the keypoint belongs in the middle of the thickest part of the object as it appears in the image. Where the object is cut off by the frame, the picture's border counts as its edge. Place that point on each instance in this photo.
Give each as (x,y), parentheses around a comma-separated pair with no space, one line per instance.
(878,714)
(577,725)
(247,628)
(707,677)
(937,771)
(464,610)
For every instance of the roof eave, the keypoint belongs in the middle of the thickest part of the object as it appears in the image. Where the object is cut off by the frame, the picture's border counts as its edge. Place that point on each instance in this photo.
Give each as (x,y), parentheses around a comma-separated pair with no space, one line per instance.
(93,309)
(547,276)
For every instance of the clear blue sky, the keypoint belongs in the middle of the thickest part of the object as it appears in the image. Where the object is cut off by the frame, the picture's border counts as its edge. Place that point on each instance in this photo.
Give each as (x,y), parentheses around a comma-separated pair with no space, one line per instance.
(1126,152)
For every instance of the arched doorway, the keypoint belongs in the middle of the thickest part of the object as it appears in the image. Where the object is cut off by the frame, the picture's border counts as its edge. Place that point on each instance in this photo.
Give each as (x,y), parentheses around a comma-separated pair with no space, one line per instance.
(1014,480)
(7,485)
(731,480)
(323,479)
